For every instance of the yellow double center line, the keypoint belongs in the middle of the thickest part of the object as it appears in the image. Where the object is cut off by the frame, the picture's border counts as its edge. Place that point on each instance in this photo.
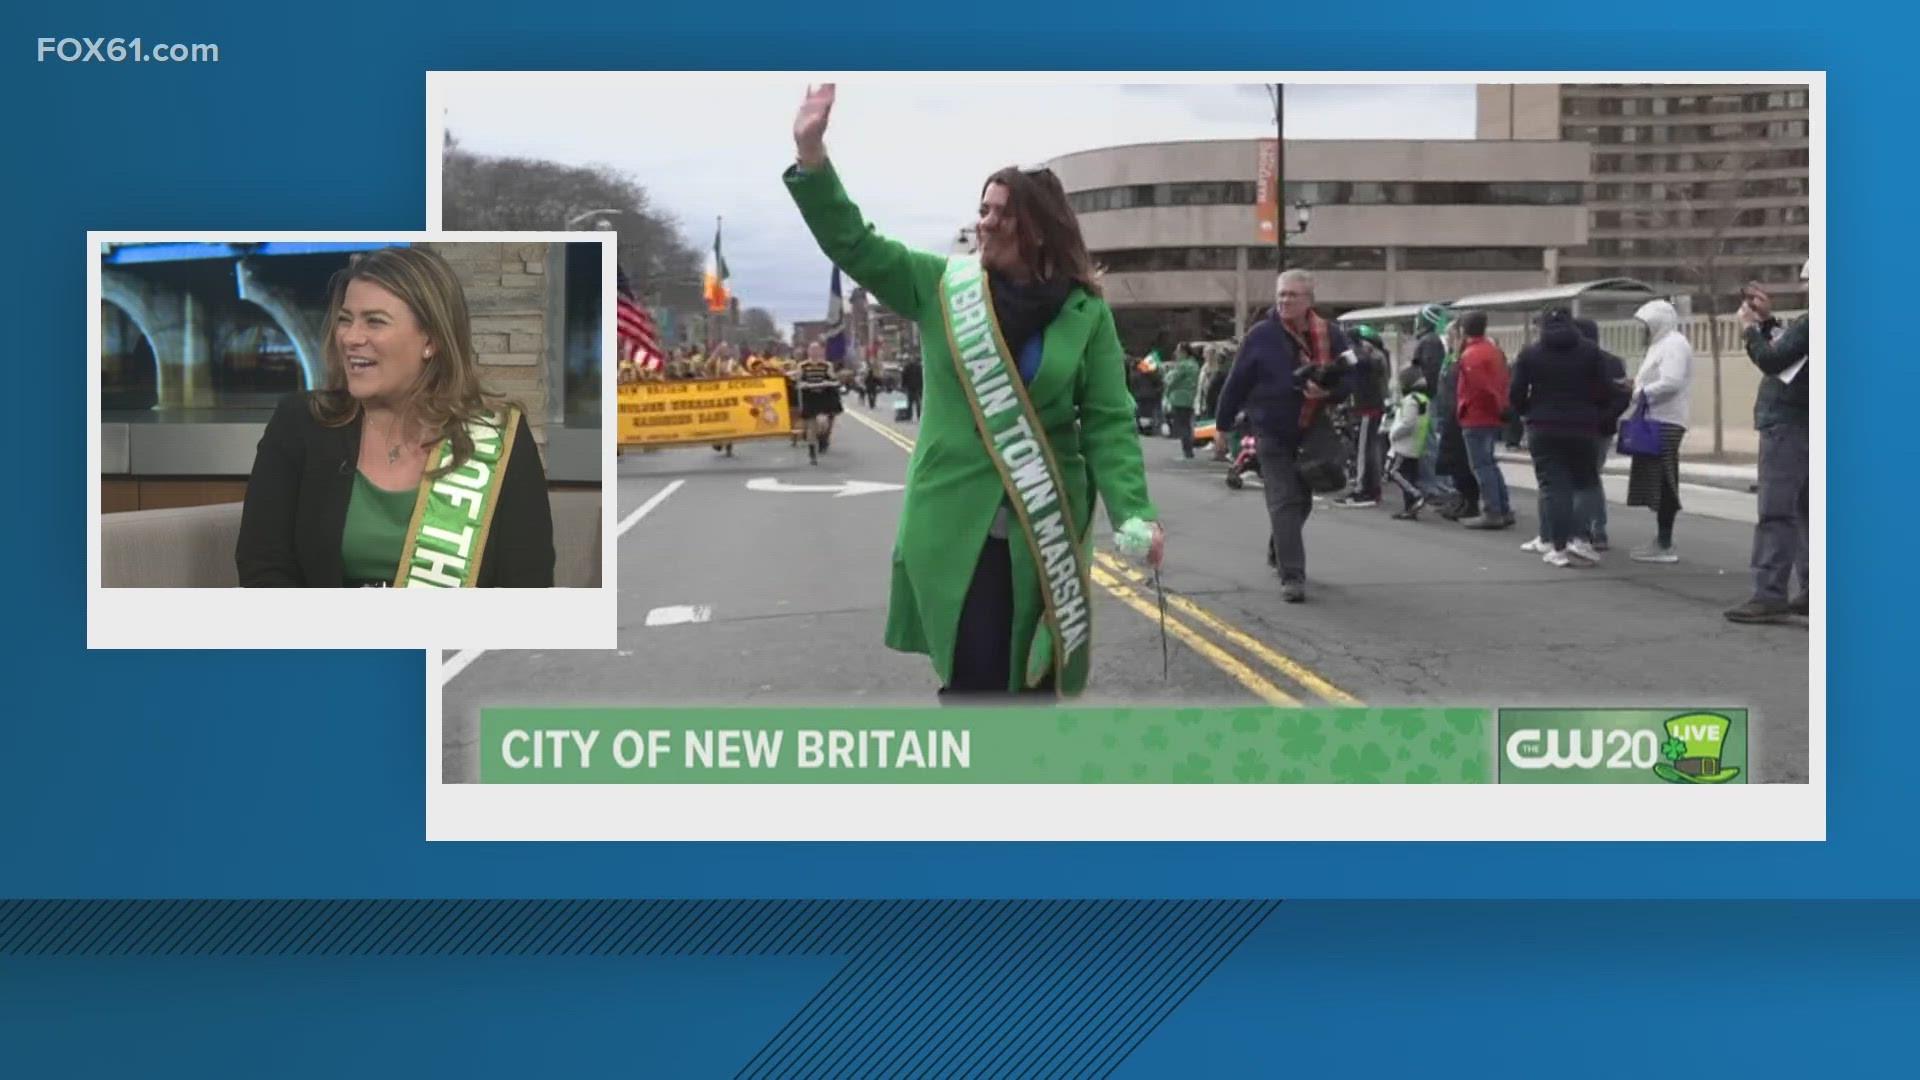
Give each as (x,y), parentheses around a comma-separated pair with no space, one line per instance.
(1132,588)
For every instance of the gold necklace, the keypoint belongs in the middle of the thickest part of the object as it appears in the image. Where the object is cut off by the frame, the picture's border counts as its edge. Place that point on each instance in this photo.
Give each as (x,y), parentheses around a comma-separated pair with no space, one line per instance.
(393,451)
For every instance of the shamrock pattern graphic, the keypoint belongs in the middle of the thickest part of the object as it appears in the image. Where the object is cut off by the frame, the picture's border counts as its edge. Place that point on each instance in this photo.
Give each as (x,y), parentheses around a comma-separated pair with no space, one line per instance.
(1254,745)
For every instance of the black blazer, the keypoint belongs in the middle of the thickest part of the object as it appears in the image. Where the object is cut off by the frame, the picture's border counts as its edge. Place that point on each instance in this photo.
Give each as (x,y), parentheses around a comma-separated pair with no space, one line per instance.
(296,509)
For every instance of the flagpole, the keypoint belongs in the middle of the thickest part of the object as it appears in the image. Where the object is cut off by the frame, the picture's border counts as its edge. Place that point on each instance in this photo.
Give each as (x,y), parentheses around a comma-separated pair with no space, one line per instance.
(716,269)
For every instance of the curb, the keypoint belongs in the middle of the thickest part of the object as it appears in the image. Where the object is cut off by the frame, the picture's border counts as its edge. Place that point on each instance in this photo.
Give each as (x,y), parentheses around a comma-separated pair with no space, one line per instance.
(1730,477)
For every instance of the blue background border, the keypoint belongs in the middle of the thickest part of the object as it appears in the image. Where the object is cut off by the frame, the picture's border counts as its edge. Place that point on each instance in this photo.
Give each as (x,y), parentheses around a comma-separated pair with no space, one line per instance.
(293,774)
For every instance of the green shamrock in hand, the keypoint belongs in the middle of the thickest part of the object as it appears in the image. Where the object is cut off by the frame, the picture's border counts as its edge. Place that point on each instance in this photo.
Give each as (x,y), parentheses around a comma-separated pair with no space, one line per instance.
(1362,766)
(1674,749)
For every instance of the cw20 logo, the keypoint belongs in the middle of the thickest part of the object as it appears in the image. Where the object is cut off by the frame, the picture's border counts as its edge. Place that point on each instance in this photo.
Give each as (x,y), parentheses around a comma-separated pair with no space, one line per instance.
(1685,749)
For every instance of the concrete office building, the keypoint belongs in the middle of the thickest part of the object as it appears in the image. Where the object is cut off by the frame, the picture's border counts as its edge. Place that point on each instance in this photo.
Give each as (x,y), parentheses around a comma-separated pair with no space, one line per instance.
(1691,183)
(1176,226)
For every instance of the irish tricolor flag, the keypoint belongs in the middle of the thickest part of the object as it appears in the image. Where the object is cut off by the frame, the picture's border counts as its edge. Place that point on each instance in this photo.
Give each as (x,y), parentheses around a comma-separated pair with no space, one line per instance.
(716,280)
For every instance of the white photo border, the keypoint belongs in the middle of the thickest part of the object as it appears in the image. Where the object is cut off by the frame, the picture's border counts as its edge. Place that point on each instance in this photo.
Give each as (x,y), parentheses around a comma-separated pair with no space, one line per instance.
(1231,812)
(186,618)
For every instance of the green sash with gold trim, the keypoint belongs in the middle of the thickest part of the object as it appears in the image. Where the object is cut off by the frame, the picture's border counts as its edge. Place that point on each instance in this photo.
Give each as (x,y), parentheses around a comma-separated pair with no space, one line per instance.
(1018,445)
(454,511)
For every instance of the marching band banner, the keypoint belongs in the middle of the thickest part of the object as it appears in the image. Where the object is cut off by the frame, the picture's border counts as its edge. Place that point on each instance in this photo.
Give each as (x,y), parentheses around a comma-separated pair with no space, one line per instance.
(703,411)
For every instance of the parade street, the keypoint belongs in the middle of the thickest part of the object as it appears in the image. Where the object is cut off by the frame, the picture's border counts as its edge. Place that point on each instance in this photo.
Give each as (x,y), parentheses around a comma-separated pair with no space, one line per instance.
(761,580)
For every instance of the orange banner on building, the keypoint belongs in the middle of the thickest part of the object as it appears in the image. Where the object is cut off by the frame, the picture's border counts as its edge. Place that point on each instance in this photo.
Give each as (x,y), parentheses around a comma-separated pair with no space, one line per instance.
(1266,192)
(670,412)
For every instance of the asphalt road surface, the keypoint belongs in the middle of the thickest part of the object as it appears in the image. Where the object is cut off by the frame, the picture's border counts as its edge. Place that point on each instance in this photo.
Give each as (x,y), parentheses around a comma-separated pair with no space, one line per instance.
(741,585)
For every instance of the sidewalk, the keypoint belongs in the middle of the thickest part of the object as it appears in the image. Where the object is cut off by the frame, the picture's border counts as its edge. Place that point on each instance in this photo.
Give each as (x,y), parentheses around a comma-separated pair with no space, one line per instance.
(1734,476)
(1711,489)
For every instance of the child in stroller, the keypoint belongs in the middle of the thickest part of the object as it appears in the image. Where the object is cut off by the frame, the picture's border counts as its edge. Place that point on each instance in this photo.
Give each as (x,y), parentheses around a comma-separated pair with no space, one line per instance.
(1245,460)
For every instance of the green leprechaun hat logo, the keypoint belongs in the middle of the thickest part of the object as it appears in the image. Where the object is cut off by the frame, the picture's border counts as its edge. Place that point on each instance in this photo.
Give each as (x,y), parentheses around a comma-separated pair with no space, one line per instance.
(1693,747)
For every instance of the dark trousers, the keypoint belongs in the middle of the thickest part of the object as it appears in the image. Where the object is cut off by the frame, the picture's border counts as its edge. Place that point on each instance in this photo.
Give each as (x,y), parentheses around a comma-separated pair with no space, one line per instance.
(1453,450)
(1592,508)
(983,647)
(913,404)
(1289,504)
(1367,458)
(1180,417)
(1780,536)
(1406,477)
(1563,466)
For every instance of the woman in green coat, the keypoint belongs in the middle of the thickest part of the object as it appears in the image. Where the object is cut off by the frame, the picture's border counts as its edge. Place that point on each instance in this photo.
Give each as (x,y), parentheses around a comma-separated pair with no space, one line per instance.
(1027,416)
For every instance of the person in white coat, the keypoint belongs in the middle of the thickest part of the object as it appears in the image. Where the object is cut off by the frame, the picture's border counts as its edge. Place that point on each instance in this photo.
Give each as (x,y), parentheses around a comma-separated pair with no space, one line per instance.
(1665,384)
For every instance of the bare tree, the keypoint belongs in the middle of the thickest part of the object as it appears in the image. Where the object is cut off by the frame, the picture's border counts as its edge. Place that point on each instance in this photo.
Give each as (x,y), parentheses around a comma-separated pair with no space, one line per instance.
(520,194)
(757,327)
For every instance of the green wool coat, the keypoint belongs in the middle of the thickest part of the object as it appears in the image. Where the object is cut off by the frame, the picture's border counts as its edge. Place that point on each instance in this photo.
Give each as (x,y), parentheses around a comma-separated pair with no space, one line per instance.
(1183,383)
(953,491)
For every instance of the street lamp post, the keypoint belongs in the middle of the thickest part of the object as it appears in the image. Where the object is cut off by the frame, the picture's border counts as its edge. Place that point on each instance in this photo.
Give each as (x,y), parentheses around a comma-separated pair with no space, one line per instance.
(602,214)
(1280,167)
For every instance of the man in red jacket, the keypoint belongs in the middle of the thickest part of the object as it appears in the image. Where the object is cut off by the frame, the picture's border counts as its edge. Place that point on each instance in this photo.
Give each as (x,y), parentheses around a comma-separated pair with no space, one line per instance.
(1482,411)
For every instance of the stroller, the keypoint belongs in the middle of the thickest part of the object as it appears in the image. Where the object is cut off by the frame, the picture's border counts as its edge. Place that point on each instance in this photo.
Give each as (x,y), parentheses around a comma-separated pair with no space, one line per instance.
(1245,460)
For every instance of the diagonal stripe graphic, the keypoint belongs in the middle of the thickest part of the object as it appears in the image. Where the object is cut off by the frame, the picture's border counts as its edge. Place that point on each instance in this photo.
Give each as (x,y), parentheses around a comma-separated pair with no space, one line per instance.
(930,987)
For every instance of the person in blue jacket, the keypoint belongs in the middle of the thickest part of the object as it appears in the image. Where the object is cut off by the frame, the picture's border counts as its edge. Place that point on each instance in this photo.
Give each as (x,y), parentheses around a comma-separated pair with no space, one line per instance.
(1291,365)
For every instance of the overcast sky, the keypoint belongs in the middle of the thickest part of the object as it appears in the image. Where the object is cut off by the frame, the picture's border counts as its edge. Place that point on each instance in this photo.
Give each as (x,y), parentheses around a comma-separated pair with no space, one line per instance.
(912,152)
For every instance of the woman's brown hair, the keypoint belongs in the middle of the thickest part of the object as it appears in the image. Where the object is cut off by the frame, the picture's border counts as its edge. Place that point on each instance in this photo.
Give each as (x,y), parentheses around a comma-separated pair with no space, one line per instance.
(1051,246)
(448,393)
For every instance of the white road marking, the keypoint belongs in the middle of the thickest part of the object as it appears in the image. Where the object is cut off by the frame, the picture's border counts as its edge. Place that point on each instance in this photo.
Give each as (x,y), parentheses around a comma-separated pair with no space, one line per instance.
(675,614)
(457,663)
(839,491)
(646,508)
(463,659)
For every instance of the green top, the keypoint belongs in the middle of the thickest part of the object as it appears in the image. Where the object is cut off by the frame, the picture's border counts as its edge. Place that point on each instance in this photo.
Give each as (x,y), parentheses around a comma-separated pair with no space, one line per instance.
(1183,382)
(376,532)
(953,491)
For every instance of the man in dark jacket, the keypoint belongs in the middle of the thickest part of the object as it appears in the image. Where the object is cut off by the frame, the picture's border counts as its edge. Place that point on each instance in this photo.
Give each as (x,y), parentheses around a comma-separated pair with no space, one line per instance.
(911,380)
(1450,457)
(1430,355)
(1593,509)
(1371,370)
(1560,384)
(1292,364)
(1780,414)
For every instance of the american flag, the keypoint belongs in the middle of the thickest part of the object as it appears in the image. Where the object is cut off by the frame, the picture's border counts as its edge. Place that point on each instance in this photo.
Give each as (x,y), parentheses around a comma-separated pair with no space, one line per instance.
(639,342)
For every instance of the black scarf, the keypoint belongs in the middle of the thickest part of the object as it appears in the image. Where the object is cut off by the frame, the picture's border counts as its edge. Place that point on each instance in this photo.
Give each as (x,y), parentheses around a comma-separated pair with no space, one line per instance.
(1025,310)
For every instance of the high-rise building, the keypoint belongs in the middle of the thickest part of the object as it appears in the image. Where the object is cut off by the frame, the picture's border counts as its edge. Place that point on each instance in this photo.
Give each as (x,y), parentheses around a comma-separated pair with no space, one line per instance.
(1701,187)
